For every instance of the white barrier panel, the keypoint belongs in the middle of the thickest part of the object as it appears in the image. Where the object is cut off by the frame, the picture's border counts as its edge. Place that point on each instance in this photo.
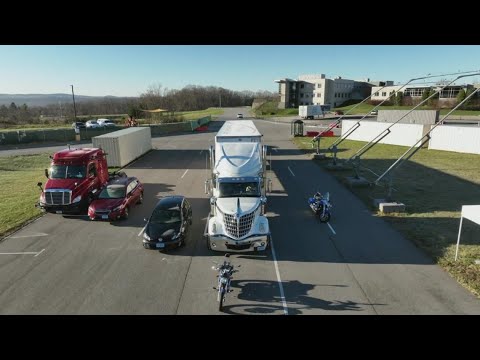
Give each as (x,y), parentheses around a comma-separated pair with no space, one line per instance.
(472,213)
(400,134)
(464,139)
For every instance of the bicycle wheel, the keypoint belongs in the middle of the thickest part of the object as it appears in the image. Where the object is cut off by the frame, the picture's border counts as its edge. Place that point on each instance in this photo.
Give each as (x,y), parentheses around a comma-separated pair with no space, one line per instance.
(222,297)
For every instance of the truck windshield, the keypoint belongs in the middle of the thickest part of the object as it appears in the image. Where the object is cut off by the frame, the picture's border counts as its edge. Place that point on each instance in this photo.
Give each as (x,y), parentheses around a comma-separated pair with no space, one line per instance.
(67,172)
(113,192)
(240,189)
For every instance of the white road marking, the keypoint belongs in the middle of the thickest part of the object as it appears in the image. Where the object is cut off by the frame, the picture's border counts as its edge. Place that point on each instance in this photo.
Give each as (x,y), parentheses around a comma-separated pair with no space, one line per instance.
(206,225)
(282,294)
(184,174)
(141,231)
(26,236)
(39,252)
(331,228)
(291,172)
(23,253)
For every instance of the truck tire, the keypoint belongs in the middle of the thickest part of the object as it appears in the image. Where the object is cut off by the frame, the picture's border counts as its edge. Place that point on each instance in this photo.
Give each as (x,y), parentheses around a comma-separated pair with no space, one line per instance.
(209,247)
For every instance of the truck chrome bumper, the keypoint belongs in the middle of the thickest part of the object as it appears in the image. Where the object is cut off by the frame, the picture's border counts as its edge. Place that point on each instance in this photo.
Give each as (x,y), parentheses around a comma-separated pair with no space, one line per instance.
(226,244)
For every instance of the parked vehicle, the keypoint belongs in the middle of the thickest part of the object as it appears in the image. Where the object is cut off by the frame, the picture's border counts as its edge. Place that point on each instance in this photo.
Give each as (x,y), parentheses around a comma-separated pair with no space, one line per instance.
(74,177)
(78,125)
(116,199)
(374,112)
(105,123)
(339,112)
(310,111)
(238,187)
(92,124)
(239,116)
(169,224)
(224,279)
(320,204)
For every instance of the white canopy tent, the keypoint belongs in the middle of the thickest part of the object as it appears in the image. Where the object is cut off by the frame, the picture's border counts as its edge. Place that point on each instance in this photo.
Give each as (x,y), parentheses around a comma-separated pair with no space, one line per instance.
(470,212)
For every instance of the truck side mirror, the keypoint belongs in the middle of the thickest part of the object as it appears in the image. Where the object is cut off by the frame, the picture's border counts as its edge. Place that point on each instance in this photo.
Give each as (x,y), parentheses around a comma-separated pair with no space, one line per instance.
(46,173)
(39,184)
(213,200)
(263,200)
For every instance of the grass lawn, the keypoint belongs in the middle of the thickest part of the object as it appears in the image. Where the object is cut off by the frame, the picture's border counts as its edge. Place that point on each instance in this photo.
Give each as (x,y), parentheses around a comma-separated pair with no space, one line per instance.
(433,185)
(19,176)
(192,115)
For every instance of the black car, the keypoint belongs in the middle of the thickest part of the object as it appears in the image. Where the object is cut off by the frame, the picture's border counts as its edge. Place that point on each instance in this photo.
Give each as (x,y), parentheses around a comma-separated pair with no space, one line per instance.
(169,224)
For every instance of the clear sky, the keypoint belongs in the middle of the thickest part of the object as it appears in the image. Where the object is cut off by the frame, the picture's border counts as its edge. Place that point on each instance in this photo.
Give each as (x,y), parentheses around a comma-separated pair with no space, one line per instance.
(130,70)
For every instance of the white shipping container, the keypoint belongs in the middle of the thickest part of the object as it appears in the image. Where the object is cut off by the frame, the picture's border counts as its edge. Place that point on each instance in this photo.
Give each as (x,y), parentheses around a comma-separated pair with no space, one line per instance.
(124,146)
(464,139)
(400,134)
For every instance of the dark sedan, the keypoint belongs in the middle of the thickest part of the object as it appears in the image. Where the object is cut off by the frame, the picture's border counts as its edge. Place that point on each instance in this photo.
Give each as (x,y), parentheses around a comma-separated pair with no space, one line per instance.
(116,199)
(169,224)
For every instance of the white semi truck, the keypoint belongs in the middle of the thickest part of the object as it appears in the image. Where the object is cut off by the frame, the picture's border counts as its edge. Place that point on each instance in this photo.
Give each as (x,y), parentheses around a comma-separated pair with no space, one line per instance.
(238,188)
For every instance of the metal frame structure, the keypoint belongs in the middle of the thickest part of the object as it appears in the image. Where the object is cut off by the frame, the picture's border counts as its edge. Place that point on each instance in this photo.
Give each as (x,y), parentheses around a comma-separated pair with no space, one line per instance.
(355,158)
(388,174)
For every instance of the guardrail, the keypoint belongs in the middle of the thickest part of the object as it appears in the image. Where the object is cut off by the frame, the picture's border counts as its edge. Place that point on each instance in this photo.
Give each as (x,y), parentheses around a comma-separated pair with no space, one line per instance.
(14,137)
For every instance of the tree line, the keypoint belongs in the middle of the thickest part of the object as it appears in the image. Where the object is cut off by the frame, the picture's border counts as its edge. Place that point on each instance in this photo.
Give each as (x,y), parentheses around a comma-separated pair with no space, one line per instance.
(190,98)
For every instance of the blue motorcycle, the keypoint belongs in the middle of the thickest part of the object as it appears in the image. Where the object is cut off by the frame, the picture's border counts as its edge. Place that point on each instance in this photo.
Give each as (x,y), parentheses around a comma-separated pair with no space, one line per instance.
(320,204)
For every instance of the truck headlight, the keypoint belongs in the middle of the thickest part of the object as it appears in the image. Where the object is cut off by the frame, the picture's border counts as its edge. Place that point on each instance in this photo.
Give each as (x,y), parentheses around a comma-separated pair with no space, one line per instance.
(77,199)
(146,237)
(176,236)
(42,198)
(214,228)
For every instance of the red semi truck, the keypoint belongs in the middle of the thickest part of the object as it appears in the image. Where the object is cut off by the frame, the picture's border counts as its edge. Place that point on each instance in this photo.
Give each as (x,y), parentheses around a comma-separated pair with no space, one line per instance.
(74,176)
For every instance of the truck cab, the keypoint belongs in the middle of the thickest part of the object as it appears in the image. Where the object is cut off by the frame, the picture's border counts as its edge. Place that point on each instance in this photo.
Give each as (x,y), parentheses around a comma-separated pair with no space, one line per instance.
(238,187)
(74,177)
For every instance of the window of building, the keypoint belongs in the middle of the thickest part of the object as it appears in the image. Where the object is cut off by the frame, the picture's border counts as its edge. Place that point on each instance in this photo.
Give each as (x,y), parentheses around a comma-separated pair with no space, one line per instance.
(302,86)
(384,93)
(301,95)
(306,95)
(319,95)
(301,103)
(319,86)
(376,94)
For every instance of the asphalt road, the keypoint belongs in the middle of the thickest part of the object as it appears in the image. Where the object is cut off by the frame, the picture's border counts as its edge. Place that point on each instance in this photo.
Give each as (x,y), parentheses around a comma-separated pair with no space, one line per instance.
(70,265)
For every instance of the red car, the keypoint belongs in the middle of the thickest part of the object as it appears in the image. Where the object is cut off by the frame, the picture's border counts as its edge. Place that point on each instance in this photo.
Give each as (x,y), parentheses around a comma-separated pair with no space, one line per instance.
(116,199)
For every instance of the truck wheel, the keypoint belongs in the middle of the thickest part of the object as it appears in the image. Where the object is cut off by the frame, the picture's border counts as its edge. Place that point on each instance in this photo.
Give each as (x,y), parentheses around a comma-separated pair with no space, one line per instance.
(209,247)
(140,199)
(269,243)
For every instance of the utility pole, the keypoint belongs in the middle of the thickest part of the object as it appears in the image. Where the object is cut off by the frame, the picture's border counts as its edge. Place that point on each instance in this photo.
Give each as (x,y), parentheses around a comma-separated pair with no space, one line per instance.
(74,107)
(220,95)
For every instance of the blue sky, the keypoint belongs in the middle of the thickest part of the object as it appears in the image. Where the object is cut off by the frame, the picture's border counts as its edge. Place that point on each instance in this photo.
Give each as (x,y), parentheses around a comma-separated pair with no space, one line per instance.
(130,70)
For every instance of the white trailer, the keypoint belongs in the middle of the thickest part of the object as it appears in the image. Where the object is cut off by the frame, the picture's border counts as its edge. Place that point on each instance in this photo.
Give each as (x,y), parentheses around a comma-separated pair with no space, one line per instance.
(238,187)
(124,146)
(310,111)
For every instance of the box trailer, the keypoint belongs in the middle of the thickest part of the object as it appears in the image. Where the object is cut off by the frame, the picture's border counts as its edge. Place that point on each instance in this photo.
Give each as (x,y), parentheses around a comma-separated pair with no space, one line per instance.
(310,111)
(124,146)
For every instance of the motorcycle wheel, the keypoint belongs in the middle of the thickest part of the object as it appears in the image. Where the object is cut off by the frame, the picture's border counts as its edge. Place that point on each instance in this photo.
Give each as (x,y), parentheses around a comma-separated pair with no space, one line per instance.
(222,297)
(325,218)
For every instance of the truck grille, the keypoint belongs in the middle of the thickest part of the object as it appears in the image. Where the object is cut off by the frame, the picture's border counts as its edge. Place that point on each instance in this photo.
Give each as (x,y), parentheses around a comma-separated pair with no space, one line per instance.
(238,228)
(58,197)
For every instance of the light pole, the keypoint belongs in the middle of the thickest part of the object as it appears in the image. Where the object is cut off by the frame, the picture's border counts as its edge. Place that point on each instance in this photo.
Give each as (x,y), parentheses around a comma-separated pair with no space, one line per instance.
(74,107)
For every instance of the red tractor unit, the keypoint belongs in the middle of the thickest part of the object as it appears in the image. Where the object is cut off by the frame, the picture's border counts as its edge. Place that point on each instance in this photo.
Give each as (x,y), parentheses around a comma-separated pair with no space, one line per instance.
(74,177)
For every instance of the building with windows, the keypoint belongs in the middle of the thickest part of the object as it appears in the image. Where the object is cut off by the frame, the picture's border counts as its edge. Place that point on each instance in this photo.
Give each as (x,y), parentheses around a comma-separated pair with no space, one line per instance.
(318,90)
(450,92)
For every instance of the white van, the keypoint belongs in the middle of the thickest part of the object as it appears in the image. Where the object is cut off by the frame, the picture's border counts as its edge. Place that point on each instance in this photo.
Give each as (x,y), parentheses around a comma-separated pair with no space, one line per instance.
(92,124)
(105,122)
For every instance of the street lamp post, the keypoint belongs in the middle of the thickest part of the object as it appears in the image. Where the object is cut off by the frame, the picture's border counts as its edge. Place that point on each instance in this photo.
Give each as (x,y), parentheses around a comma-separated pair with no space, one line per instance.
(74,107)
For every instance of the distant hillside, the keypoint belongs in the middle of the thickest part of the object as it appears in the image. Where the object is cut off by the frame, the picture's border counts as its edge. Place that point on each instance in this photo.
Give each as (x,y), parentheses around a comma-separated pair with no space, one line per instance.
(47,99)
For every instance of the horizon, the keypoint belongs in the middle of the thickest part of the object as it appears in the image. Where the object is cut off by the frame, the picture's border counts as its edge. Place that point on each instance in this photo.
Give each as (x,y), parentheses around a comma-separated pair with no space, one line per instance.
(129,71)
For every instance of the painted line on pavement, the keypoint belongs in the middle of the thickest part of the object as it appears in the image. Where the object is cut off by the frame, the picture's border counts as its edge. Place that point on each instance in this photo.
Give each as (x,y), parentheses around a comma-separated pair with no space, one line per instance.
(331,228)
(184,174)
(27,236)
(40,252)
(282,294)
(23,253)
(291,172)
(141,231)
